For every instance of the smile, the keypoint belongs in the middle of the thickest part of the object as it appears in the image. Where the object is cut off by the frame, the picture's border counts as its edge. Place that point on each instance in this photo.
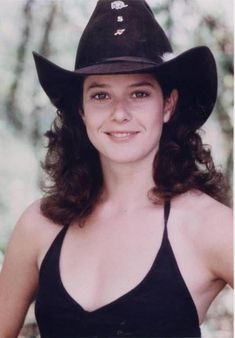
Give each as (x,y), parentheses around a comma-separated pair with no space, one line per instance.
(122,135)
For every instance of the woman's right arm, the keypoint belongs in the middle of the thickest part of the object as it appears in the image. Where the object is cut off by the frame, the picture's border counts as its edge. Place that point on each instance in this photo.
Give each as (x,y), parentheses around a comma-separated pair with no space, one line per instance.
(19,275)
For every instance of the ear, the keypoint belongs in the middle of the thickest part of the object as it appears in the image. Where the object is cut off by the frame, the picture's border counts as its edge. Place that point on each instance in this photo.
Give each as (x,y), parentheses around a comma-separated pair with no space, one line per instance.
(170,104)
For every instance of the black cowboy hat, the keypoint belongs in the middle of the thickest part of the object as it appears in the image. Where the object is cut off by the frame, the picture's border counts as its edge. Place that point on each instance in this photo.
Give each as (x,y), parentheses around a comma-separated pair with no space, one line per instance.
(124,37)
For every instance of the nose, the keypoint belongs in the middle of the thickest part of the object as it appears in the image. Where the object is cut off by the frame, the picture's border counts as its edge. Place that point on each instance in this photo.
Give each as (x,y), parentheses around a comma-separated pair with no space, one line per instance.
(120,112)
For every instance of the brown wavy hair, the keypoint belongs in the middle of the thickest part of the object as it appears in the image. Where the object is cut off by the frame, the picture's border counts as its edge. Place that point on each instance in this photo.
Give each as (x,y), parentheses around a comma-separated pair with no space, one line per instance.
(73,166)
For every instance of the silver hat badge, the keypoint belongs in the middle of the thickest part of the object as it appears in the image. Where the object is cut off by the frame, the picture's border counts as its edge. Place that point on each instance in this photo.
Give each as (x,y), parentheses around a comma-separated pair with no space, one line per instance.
(118,5)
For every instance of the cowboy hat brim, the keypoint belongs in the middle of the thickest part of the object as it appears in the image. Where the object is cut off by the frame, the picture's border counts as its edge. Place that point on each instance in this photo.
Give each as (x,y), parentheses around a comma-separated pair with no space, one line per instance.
(192,72)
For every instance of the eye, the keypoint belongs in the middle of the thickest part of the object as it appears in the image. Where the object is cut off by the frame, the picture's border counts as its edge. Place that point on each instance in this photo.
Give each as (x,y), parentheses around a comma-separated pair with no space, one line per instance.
(100,96)
(140,94)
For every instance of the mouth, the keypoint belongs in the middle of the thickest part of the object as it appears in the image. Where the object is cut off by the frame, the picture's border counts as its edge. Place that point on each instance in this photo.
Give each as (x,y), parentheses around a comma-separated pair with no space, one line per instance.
(122,135)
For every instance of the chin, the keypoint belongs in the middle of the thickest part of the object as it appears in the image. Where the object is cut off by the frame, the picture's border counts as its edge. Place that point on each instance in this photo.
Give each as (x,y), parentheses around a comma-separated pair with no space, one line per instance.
(124,158)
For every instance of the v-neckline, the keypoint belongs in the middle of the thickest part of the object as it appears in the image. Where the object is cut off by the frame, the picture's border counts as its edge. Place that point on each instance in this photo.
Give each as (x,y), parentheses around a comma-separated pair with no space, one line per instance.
(122,297)
(119,298)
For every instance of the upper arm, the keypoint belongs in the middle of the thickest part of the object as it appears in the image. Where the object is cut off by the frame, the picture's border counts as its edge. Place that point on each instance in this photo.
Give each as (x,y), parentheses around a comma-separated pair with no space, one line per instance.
(19,277)
(220,240)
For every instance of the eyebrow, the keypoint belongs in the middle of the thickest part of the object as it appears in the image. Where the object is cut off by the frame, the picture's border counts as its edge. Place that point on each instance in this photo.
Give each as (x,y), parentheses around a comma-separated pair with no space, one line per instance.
(142,84)
(104,85)
(97,85)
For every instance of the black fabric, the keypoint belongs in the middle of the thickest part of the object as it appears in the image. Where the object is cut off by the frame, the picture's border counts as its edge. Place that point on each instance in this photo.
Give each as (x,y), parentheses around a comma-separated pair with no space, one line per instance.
(138,22)
(159,306)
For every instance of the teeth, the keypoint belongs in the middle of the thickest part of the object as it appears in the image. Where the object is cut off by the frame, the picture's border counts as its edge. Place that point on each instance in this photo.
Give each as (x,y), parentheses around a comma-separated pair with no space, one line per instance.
(120,135)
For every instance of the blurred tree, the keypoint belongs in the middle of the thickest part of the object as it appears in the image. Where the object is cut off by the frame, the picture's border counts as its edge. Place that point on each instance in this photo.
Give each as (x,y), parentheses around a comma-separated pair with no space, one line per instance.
(14,114)
(44,49)
(223,42)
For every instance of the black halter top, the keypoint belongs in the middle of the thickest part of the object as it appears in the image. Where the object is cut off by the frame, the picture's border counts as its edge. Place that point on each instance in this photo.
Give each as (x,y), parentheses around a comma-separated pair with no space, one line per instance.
(159,306)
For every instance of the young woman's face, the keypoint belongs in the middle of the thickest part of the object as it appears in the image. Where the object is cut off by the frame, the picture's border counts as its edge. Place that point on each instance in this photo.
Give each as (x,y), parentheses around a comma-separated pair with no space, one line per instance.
(124,115)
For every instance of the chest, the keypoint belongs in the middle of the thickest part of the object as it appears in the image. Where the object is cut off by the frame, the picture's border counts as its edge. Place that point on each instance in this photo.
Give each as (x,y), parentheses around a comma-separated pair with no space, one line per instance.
(99,266)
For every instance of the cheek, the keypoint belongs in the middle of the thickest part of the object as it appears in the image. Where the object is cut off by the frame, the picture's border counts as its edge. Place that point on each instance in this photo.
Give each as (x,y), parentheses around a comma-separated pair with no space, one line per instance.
(156,128)
(90,119)
(155,117)
(93,116)
(93,125)
(154,125)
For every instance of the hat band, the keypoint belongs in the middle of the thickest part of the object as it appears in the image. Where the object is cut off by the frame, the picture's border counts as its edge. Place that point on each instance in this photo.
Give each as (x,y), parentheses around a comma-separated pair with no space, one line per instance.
(129,59)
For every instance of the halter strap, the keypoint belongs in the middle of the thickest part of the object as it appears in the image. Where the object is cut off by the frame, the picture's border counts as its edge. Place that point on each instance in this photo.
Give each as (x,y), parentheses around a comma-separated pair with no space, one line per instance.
(167,208)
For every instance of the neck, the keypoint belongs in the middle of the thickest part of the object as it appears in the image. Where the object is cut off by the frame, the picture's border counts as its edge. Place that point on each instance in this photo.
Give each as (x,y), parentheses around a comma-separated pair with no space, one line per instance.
(126,186)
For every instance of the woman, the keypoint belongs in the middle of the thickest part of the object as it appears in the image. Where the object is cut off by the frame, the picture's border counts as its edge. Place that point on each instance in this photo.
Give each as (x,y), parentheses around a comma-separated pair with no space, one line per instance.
(128,239)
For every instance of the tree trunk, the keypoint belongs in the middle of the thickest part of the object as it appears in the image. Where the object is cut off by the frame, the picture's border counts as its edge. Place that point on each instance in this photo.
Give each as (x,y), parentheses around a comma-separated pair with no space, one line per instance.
(14,116)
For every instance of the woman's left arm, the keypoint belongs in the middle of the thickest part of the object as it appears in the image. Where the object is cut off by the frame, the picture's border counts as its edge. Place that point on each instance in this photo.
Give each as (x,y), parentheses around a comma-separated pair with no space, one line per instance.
(221,244)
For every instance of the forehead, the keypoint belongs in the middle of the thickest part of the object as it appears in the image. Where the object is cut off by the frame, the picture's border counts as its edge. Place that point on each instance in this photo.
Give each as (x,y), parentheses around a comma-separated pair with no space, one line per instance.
(117,79)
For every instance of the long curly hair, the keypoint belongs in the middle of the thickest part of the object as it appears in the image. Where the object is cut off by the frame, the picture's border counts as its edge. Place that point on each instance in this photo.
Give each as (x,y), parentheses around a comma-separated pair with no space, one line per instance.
(74,170)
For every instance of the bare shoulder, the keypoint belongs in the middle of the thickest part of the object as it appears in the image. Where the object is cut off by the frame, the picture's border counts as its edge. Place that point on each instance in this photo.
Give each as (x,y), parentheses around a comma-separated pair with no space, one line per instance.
(32,219)
(210,224)
(36,229)
(203,210)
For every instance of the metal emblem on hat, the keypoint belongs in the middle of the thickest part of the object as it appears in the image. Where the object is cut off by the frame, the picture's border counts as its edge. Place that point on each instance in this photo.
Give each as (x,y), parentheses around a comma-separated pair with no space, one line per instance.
(118,5)
(120,19)
(119,32)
